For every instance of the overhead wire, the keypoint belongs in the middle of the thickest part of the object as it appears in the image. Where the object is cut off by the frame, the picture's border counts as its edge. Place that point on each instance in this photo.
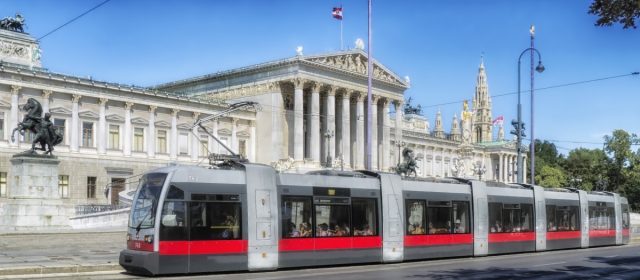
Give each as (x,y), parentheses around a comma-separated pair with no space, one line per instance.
(72,20)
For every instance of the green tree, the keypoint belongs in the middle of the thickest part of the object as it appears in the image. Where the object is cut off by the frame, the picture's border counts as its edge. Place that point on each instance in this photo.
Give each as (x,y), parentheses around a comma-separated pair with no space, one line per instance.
(609,12)
(551,177)
(618,148)
(546,155)
(586,168)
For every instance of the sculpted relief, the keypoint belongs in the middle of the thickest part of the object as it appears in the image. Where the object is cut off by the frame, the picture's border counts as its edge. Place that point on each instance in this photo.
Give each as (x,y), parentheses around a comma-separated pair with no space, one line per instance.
(354,63)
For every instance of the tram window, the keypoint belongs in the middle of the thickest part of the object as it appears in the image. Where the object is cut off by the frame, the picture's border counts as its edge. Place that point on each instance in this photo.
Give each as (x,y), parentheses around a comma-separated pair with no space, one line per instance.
(612,217)
(601,218)
(526,222)
(332,221)
(551,218)
(511,215)
(173,221)
(495,217)
(439,217)
(416,218)
(364,216)
(567,218)
(215,220)
(461,217)
(175,193)
(296,217)
(625,216)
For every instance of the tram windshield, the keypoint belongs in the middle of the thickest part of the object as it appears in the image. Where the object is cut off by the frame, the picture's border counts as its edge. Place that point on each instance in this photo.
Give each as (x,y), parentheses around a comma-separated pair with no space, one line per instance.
(143,211)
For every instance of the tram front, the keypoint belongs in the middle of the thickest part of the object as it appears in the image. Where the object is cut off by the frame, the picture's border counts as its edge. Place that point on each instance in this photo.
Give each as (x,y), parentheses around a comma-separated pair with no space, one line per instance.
(141,255)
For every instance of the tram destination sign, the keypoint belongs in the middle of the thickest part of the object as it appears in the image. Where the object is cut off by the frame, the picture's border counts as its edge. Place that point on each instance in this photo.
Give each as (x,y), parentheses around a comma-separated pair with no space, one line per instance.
(324,191)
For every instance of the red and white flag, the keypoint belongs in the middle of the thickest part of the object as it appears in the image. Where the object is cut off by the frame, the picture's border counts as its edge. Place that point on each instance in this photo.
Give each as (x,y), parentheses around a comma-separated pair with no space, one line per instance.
(337,13)
(498,121)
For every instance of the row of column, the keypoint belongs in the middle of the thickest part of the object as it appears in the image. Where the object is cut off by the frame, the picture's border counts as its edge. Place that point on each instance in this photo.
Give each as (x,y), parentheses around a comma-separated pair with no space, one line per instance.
(348,134)
(102,133)
(507,168)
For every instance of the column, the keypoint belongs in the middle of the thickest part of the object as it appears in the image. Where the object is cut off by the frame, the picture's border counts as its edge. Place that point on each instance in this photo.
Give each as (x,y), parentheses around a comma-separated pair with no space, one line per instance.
(386,140)
(45,100)
(498,174)
(298,118)
(216,145)
(398,107)
(524,169)
(374,133)
(433,161)
(195,139)
(234,136)
(15,111)
(424,161)
(276,121)
(151,136)
(346,128)
(315,123)
(102,127)
(509,169)
(252,142)
(359,160)
(331,120)
(127,128)
(75,126)
(173,153)
(442,163)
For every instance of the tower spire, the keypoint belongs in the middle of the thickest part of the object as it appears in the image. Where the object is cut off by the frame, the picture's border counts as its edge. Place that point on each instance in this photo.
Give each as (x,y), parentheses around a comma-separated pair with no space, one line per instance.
(482,127)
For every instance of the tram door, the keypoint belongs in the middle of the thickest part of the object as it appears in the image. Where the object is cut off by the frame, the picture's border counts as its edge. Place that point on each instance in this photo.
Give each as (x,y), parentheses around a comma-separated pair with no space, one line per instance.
(117,185)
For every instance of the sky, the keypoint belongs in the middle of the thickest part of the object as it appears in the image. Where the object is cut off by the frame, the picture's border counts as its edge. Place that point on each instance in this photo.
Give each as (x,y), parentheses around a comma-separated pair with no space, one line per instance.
(438,44)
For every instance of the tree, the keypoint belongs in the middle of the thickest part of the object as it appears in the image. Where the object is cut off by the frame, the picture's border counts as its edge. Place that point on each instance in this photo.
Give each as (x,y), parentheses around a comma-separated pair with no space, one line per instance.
(586,168)
(551,177)
(609,12)
(546,155)
(618,148)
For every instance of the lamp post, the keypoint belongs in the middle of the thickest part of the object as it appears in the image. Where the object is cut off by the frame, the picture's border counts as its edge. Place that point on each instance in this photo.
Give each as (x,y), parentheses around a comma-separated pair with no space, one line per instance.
(519,125)
(328,134)
(400,144)
(479,169)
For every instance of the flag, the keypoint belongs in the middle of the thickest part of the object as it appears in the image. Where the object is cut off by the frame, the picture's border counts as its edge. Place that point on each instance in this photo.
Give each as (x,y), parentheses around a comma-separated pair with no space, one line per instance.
(498,121)
(337,13)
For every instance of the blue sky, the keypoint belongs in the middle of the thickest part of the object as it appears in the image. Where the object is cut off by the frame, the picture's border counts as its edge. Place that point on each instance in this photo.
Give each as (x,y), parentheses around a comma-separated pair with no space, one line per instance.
(437,43)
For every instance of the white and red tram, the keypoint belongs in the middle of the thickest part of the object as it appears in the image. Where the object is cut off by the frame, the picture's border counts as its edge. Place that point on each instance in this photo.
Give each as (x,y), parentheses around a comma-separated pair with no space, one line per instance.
(189,219)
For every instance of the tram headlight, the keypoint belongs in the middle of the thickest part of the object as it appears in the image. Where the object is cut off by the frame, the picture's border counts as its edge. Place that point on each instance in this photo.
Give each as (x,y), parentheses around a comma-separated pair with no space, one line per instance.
(148,238)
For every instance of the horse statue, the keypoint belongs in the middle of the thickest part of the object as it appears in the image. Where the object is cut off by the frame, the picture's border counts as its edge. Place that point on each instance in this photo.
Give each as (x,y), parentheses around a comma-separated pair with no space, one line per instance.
(45,134)
(13,24)
(409,165)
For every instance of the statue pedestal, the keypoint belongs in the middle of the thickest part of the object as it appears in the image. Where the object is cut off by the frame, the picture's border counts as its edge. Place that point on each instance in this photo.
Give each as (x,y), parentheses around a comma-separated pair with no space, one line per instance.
(33,201)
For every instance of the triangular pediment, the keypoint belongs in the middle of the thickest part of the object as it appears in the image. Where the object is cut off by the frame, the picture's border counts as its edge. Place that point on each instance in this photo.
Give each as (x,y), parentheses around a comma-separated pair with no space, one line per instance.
(88,115)
(163,124)
(184,126)
(115,118)
(60,111)
(355,61)
(5,104)
(139,121)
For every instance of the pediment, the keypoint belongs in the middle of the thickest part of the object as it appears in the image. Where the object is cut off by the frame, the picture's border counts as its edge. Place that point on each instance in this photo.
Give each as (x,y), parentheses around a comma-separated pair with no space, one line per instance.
(60,111)
(115,118)
(356,62)
(139,121)
(162,124)
(5,104)
(186,126)
(88,115)
(243,134)
(224,131)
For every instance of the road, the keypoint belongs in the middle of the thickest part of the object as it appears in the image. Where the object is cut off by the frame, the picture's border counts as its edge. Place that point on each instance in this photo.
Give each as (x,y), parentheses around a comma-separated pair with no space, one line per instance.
(622,262)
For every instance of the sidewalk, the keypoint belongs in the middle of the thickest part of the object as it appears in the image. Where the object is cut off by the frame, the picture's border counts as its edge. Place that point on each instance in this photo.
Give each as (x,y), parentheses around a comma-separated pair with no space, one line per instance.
(60,252)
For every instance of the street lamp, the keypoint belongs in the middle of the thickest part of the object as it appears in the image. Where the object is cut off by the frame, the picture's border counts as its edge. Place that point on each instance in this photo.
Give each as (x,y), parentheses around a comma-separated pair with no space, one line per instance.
(479,169)
(519,126)
(328,134)
(400,144)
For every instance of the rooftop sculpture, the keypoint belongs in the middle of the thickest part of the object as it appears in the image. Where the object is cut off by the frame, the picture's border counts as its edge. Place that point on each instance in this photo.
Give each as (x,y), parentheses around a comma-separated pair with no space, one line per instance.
(13,24)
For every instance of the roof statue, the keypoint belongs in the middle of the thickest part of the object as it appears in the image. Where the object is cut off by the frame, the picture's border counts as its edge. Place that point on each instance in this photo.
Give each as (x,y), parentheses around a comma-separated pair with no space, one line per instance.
(45,134)
(410,109)
(13,24)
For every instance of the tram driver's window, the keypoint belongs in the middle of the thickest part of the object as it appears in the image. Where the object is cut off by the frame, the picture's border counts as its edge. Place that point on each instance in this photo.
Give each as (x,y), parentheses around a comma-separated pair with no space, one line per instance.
(439,217)
(416,218)
(461,217)
(332,221)
(173,221)
(296,217)
(364,217)
(495,217)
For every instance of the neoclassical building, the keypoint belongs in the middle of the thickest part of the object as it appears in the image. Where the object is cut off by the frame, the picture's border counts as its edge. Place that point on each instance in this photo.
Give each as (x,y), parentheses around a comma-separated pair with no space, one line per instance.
(313,113)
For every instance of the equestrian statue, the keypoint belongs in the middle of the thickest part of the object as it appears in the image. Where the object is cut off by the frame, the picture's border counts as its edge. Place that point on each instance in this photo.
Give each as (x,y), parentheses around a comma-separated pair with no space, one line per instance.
(45,133)
(409,165)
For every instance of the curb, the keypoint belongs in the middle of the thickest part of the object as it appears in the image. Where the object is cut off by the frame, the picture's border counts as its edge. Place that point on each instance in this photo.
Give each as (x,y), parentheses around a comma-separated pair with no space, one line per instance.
(42,270)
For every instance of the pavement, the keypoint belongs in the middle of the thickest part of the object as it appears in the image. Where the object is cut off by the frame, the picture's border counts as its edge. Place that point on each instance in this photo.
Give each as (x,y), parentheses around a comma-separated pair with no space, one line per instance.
(79,253)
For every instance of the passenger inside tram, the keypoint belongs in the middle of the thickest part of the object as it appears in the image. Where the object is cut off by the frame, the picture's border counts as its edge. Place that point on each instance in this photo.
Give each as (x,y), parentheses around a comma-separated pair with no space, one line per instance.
(365,231)
(497,227)
(305,230)
(459,228)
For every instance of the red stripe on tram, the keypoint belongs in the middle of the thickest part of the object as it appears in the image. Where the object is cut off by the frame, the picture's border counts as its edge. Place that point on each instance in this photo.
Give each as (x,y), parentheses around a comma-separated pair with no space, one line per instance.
(139,245)
(602,233)
(437,239)
(512,237)
(330,243)
(554,235)
(203,247)
(625,232)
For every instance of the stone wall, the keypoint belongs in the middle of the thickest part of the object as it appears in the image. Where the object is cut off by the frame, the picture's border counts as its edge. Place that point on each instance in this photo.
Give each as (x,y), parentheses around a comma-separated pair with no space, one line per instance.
(108,219)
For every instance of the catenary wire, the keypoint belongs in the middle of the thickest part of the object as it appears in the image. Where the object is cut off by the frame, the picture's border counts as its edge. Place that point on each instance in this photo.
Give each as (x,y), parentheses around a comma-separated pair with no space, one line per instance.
(72,20)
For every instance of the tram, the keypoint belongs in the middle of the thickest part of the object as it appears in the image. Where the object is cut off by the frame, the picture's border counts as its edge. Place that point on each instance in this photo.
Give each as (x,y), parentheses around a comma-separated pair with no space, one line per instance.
(242,216)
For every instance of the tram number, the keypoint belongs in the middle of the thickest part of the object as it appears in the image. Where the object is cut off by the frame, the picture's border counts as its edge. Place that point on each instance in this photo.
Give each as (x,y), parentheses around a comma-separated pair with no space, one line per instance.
(137,245)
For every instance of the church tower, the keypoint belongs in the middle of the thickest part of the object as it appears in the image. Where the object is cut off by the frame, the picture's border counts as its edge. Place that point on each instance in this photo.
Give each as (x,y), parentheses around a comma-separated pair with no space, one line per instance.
(482,108)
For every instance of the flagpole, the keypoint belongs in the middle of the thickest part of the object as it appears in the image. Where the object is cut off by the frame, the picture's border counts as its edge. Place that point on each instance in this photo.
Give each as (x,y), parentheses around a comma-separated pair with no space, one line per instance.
(341,45)
(369,74)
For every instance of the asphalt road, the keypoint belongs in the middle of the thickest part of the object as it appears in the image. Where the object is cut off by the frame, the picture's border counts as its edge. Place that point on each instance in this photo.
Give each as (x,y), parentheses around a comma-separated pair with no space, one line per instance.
(621,262)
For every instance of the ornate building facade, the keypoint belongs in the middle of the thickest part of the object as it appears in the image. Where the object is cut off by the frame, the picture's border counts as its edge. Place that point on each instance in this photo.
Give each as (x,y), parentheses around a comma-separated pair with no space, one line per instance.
(313,114)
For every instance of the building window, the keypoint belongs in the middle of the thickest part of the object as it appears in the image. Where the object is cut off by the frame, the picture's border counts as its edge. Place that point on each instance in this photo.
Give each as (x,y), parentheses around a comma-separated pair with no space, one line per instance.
(114,136)
(138,139)
(63,186)
(161,146)
(87,134)
(91,187)
(3,184)
(242,148)
(60,125)
(224,141)
(1,125)
(183,143)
